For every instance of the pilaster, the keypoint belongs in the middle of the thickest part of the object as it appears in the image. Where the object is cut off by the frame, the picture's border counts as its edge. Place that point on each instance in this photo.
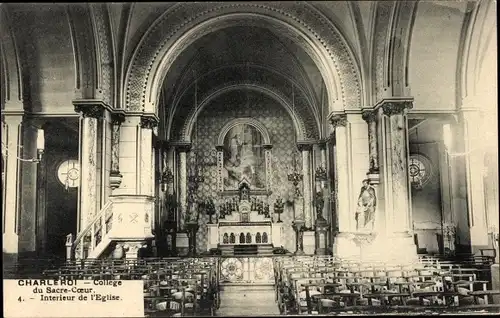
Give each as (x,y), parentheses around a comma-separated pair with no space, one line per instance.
(472,125)
(115,176)
(342,189)
(182,150)
(11,133)
(90,113)
(305,149)
(398,217)
(146,162)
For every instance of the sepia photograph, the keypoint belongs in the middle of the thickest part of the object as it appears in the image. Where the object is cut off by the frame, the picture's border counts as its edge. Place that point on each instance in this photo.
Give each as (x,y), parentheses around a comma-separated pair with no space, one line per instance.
(249,158)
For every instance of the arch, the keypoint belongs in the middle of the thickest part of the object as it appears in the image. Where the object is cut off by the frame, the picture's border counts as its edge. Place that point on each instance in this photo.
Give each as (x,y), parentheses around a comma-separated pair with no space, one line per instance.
(258,238)
(298,123)
(232,238)
(248,121)
(11,77)
(242,238)
(248,238)
(225,239)
(480,31)
(183,24)
(104,53)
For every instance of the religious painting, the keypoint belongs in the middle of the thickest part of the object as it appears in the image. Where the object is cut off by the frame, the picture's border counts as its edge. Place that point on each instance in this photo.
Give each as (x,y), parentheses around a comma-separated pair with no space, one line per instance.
(244,157)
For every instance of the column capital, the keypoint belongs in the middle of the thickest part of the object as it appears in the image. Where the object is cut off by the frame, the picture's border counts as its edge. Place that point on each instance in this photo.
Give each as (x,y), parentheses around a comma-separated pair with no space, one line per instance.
(90,108)
(117,118)
(322,144)
(219,147)
(304,146)
(338,120)
(182,146)
(148,122)
(396,105)
(12,119)
(369,115)
(161,144)
(267,146)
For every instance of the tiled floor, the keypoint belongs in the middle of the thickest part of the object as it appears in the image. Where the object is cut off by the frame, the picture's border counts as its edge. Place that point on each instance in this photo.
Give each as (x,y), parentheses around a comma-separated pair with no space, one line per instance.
(248,301)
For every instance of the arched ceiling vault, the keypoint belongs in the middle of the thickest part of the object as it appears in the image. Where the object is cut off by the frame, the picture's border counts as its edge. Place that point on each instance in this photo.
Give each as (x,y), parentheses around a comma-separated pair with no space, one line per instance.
(240,55)
(248,57)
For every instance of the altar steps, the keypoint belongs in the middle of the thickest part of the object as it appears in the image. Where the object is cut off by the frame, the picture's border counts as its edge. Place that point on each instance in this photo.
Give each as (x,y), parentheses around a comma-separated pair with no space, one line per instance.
(246,250)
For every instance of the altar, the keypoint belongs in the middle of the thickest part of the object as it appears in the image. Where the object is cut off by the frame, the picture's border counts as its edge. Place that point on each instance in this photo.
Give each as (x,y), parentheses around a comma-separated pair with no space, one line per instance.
(244,221)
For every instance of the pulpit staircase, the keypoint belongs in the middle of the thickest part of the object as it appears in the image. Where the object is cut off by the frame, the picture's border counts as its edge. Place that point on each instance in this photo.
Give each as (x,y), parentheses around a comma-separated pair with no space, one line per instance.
(94,239)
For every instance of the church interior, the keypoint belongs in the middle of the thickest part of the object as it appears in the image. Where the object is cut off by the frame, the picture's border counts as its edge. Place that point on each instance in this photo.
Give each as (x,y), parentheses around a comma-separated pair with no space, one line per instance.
(317,157)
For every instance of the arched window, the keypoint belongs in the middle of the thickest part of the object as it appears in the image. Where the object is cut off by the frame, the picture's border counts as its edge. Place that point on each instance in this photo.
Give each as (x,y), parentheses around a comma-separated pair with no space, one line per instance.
(242,238)
(232,238)
(258,239)
(249,238)
(225,238)
(264,237)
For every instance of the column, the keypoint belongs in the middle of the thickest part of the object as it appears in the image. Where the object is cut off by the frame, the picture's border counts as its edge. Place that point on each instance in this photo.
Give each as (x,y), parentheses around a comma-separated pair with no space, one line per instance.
(146,164)
(28,180)
(371,119)
(305,149)
(473,133)
(323,180)
(342,199)
(11,133)
(115,176)
(269,174)
(396,134)
(343,245)
(90,113)
(373,174)
(182,185)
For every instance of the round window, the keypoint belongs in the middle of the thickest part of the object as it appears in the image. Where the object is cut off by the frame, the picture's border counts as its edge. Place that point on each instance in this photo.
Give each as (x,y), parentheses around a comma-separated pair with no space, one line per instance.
(69,173)
(419,170)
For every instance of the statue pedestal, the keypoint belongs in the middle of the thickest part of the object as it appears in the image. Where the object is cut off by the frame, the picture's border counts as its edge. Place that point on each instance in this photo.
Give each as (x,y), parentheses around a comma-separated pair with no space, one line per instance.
(321,232)
(276,234)
(213,236)
(309,242)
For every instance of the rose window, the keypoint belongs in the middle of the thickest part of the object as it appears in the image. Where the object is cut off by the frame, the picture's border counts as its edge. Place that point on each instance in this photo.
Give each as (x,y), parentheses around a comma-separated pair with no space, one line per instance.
(419,170)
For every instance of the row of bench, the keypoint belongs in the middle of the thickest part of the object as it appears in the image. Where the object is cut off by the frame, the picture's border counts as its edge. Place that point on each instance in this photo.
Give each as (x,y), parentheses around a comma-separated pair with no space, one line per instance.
(172,287)
(309,285)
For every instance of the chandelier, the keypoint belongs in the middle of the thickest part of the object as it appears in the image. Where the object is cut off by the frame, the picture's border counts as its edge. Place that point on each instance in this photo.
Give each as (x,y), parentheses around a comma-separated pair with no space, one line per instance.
(196,175)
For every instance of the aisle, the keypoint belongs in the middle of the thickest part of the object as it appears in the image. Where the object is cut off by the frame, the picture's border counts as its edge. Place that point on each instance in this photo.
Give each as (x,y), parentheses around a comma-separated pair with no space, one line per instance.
(247,300)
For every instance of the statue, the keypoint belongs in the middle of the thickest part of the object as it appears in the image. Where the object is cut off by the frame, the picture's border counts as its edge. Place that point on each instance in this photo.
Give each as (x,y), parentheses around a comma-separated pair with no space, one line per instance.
(320,203)
(210,209)
(192,210)
(365,211)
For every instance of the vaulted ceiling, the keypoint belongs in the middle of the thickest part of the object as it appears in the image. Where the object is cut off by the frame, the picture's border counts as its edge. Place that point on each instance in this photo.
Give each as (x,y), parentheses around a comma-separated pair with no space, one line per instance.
(245,55)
